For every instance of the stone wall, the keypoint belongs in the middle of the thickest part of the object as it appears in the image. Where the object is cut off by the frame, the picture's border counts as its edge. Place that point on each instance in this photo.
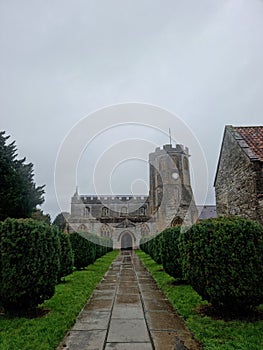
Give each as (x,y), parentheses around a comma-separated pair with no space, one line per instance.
(116,232)
(109,206)
(237,180)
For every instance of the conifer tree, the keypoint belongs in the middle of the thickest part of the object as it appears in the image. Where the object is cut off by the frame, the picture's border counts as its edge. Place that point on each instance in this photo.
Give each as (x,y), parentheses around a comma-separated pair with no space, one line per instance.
(19,195)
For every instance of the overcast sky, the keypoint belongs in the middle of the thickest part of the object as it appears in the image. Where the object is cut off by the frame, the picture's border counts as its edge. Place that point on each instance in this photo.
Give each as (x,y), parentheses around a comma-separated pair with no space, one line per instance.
(62,60)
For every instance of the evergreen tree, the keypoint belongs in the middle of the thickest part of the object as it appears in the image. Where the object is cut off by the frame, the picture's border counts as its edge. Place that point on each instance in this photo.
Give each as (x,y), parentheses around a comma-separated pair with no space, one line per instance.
(61,220)
(19,195)
(38,215)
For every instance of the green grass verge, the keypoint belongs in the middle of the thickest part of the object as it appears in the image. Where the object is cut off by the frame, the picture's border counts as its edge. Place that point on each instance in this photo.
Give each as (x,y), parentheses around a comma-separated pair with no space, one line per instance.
(214,334)
(46,332)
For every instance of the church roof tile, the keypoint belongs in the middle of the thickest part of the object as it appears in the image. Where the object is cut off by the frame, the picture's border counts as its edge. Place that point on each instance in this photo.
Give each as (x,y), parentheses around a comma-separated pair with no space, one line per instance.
(253,136)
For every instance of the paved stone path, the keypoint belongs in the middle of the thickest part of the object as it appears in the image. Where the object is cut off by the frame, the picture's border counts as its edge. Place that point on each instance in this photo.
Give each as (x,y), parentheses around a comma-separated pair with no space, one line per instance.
(128,311)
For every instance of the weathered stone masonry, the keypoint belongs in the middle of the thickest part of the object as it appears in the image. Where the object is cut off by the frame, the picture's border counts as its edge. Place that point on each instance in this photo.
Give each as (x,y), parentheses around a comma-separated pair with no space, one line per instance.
(239,177)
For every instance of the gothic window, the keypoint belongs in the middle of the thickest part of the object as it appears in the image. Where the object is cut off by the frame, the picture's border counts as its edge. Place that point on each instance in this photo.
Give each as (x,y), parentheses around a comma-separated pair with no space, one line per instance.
(177,221)
(105,231)
(145,231)
(82,227)
(142,211)
(105,211)
(124,211)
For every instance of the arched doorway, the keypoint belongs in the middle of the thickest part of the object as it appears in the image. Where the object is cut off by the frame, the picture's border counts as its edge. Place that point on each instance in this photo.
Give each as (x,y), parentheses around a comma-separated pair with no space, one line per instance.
(126,241)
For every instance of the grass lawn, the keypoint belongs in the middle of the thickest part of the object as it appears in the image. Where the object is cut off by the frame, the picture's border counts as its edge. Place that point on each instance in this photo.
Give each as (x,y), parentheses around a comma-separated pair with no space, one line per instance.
(214,334)
(46,332)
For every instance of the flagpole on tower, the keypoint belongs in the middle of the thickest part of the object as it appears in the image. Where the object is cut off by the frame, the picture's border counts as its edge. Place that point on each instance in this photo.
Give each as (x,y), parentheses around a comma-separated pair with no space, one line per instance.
(170,136)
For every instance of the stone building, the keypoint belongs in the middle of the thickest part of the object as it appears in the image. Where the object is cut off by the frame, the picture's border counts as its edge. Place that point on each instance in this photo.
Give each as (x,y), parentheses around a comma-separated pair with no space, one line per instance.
(239,177)
(127,218)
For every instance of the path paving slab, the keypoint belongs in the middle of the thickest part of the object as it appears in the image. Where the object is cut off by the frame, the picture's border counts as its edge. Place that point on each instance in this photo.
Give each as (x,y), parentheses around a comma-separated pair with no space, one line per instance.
(128,346)
(157,304)
(128,330)
(92,320)
(128,299)
(108,286)
(104,294)
(128,311)
(127,290)
(157,294)
(97,304)
(168,341)
(164,320)
(84,340)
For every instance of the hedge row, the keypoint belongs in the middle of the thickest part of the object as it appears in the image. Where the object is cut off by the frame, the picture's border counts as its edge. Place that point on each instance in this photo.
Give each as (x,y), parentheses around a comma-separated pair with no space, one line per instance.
(164,249)
(34,257)
(221,258)
(87,248)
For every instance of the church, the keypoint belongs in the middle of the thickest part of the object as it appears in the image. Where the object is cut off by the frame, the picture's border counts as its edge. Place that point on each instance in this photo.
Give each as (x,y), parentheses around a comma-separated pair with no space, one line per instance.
(126,218)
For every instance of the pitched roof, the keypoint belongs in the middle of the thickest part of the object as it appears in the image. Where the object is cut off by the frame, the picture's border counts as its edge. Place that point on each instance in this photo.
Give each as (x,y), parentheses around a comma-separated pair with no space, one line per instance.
(253,136)
(249,138)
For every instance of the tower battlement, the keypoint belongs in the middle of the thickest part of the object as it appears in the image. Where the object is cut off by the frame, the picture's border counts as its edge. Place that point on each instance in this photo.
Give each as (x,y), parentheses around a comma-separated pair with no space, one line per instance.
(111,199)
(169,149)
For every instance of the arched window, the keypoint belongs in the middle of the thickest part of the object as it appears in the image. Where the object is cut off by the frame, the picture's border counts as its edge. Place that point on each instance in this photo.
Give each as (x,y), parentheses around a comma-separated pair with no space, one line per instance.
(105,211)
(124,211)
(142,211)
(86,211)
(105,231)
(177,221)
(145,231)
(82,227)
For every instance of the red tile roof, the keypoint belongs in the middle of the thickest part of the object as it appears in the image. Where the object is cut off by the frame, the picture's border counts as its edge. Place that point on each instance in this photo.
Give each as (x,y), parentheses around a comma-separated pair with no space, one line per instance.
(253,136)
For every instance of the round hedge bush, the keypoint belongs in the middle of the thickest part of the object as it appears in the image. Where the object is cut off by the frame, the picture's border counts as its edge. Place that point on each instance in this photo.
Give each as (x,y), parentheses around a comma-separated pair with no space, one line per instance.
(169,251)
(223,261)
(29,263)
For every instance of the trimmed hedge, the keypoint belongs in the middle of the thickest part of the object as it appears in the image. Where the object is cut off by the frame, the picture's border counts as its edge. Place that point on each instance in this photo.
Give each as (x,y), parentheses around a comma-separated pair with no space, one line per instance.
(35,256)
(66,255)
(163,249)
(151,245)
(221,258)
(223,261)
(103,244)
(170,255)
(29,263)
(88,247)
(84,251)
(156,248)
(144,244)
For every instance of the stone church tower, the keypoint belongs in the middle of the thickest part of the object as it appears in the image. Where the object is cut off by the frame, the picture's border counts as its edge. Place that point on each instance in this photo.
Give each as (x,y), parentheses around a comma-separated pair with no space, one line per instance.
(171,197)
(125,218)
